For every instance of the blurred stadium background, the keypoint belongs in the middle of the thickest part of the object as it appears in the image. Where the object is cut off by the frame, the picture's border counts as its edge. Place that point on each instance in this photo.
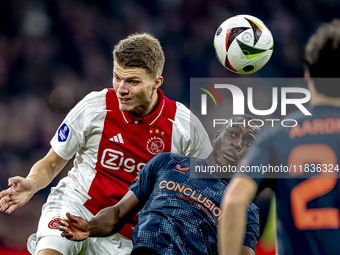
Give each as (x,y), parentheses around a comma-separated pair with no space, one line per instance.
(54,52)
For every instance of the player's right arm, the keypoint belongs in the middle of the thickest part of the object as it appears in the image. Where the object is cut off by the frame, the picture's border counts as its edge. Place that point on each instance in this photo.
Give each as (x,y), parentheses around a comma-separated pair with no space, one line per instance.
(241,190)
(22,189)
(67,141)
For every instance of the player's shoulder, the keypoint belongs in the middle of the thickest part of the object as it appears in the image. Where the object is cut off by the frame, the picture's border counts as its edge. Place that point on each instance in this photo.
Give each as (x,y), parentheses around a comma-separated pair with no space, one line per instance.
(183,112)
(93,102)
(185,117)
(296,119)
(316,112)
(162,156)
(279,129)
(178,109)
(268,134)
(159,160)
(170,156)
(95,99)
(94,96)
(168,159)
(162,161)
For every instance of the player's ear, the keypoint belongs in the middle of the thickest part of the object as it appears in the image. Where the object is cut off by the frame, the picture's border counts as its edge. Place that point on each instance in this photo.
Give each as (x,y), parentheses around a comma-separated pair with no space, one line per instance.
(158,81)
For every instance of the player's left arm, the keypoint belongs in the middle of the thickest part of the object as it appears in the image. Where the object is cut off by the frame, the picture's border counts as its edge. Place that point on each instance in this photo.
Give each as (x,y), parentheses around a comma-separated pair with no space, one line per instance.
(232,224)
(112,219)
(107,222)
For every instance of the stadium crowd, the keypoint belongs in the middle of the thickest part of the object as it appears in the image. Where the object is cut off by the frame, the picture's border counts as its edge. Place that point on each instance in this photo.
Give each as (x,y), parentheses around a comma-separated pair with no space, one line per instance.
(52,53)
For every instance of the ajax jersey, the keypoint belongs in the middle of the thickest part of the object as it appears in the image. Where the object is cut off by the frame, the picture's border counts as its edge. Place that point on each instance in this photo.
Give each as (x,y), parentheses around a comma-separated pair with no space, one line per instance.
(111,146)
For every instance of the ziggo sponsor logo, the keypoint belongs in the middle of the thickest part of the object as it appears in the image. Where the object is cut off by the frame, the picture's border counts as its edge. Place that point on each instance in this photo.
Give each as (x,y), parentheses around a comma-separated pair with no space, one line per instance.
(115,160)
(189,192)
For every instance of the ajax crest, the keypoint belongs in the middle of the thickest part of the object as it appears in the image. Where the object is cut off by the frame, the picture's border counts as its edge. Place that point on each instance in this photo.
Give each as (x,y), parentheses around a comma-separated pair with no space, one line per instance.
(54,224)
(155,145)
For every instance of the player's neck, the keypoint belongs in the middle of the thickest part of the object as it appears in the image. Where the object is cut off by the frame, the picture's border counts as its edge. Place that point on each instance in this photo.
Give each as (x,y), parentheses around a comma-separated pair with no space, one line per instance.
(320,99)
(211,160)
(154,104)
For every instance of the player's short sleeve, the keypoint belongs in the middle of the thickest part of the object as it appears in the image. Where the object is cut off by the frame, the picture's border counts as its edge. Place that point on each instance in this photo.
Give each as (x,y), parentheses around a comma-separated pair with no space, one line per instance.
(189,136)
(144,183)
(71,134)
(252,233)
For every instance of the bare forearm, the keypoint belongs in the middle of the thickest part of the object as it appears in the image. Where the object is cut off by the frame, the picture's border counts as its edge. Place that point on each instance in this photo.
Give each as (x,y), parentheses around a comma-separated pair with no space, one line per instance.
(45,170)
(105,223)
(231,229)
(233,220)
(41,175)
(112,219)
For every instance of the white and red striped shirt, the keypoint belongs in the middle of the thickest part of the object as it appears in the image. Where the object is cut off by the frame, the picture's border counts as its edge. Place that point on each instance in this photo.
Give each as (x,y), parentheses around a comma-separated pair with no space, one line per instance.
(112,146)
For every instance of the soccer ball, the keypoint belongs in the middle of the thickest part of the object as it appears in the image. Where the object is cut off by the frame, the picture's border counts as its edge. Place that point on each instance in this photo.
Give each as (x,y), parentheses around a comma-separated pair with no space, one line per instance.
(243,44)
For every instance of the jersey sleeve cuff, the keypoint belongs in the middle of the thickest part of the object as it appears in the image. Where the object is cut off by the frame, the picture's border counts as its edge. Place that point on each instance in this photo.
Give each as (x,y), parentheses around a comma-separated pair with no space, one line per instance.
(250,243)
(61,153)
(135,190)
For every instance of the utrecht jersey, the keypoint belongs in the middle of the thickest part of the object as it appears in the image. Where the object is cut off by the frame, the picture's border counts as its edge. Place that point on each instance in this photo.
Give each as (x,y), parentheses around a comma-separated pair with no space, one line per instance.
(182,208)
(111,146)
(307,208)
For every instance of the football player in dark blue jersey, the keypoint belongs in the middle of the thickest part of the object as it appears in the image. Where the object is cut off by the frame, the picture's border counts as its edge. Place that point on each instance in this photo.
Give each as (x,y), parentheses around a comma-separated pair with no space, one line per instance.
(180,200)
(307,196)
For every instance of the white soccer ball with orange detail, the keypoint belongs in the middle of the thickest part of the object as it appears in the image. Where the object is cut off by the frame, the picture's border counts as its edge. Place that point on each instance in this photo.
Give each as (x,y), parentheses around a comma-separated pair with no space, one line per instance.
(243,44)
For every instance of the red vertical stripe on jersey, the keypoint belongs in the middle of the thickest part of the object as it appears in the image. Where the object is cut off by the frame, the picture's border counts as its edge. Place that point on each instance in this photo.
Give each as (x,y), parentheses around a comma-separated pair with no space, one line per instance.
(119,161)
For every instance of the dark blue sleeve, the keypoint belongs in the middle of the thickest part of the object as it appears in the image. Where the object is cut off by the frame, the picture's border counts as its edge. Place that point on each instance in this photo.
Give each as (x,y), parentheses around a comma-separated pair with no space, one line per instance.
(143,185)
(260,154)
(253,226)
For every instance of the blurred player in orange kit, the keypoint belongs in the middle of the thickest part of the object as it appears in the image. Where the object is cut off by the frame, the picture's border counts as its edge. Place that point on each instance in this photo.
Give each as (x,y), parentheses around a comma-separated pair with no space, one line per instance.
(113,134)
(308,199)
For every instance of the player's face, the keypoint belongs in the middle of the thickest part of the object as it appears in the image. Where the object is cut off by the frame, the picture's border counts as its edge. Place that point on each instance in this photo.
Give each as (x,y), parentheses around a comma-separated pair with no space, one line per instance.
(232,144)
(136,90)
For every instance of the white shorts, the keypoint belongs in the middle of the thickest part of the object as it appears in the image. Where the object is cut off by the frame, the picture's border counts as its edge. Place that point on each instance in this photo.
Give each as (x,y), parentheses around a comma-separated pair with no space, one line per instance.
(64,198)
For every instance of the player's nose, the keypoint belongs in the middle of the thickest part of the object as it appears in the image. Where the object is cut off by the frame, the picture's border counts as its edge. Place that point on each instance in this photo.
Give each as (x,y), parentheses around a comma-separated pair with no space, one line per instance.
(122,87)
(237,144)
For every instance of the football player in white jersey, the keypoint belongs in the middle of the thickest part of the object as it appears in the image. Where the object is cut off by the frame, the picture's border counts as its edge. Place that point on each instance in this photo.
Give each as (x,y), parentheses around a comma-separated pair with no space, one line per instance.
(113,134)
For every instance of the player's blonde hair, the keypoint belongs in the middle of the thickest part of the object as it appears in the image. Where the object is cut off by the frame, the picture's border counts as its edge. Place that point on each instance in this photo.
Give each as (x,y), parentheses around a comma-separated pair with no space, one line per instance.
(140,50)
